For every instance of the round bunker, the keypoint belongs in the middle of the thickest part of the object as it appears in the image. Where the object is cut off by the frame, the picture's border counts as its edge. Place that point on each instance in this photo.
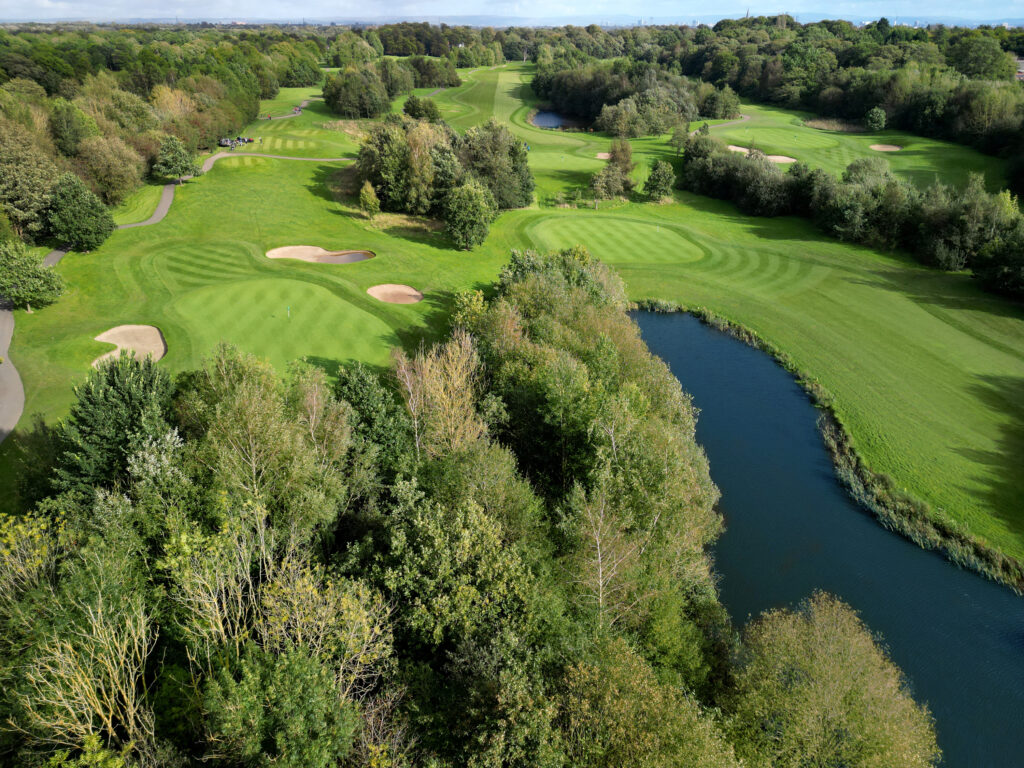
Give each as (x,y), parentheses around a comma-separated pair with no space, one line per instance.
(318,255)
(393,293)
(771,158)
(143,340)
(886,147)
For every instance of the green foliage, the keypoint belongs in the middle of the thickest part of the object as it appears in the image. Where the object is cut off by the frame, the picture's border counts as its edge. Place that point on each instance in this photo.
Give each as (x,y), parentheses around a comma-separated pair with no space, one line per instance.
(122,403)
(379,418)
(7,232)
(69,126)
(76,217)
(449,573)
(24,281)
(368,201)
(279,710)
(981,57)
(26,178)
(498,159)
(874,119)
(813,687)
(357,93)
(112,167)
(661,181)
(421,109)
(174,161)
(469,211)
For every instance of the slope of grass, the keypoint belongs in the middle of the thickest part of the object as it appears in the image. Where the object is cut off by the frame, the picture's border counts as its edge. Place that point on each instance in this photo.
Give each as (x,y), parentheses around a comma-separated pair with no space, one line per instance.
(926,369)
(782,132)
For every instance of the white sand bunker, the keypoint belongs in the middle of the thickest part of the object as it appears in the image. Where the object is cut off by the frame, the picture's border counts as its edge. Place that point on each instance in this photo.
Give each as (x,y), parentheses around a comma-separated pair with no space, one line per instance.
(318,255)
(143,340)
(393,293)
(604,155)
(770,158)
(886,147)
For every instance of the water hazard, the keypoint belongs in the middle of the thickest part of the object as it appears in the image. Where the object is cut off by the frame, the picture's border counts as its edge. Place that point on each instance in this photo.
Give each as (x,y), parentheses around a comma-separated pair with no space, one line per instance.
(792,529)
(545,118)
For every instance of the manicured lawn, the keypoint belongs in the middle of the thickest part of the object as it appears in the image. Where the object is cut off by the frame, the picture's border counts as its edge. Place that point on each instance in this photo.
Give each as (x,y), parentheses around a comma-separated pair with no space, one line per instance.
(926,369)
(782,132)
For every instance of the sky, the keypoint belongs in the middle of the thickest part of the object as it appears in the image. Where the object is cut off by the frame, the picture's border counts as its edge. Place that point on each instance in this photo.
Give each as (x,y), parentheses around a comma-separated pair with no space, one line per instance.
(534,10)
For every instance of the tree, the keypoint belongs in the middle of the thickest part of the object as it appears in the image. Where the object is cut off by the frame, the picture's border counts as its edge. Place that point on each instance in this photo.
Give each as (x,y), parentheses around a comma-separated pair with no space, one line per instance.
(76,217)
(113,168)
(24,280)
(174,161)
(469,211)
(26,178)
(122,403)
(679,136)
(278,710)
(981,57)
(70,126)
(813,688)
(661,181)
(874,120)
(368,201)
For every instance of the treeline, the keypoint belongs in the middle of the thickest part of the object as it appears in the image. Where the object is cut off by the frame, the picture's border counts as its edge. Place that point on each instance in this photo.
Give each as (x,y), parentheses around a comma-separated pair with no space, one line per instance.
(947,82)
(421,167)
(628,98)
(493,554)
(368,89)
(948,228)
(100,103)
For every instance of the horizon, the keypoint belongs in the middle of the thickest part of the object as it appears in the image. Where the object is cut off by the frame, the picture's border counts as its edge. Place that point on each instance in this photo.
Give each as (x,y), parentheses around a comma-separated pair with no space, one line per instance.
(460,13)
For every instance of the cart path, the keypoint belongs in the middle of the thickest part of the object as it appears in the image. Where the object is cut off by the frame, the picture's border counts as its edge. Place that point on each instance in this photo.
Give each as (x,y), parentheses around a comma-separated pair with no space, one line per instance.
(302,105)
(12,391)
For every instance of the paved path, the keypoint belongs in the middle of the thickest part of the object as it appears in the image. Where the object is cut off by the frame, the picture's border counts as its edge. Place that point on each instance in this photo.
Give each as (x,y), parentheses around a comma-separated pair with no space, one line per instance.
(12,392)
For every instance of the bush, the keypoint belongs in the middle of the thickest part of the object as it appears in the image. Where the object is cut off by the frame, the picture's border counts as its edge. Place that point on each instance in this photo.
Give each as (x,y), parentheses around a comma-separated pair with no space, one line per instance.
(874,120)
(76,217)
(368,201)
(661,181)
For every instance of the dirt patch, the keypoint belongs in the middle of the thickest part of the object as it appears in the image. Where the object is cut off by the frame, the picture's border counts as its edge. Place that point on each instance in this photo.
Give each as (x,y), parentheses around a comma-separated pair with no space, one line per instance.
(350,127)
(770,158)
(393,293)
(318,255)
(604,155)
(143,340)
(886,147)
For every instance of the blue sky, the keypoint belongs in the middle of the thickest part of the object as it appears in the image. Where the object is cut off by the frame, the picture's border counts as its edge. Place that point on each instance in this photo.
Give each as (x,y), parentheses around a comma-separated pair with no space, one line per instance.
(595,10)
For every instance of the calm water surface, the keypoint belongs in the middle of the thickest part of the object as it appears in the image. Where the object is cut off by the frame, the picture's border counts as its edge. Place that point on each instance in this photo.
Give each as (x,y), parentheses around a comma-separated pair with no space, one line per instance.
(792,529)
(547,119)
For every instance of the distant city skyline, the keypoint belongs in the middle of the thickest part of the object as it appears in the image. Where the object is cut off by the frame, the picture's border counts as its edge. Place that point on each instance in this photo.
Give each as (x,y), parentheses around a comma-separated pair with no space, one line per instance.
(532,11)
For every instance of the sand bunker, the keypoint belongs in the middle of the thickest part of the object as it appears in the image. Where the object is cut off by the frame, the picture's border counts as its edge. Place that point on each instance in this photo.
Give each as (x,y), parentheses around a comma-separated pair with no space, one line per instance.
(318,255)
(604,155)
(771,158)
(393,293)
(143,340)
(886,147)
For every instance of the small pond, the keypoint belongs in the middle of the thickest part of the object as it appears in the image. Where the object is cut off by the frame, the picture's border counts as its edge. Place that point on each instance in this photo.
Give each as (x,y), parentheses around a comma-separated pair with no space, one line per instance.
(792,529)
(545,118)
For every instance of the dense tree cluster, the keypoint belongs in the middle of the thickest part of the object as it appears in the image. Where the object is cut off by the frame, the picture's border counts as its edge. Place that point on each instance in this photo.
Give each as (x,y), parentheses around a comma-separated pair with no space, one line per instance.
(424,168)
(101,103)
(366,90)
(628,98)
(493,554)
(948,228)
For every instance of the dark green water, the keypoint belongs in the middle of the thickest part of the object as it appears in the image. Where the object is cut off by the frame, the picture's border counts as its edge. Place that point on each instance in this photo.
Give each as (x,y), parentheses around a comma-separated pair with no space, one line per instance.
(792,529)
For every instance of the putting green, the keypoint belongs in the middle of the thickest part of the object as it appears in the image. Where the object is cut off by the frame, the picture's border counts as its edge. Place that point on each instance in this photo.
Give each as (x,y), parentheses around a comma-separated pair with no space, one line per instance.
(926,369)
(922,160)
(281,320)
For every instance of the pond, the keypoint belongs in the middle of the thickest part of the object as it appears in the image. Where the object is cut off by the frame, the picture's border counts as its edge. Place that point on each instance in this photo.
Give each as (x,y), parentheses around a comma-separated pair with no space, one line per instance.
(545,118)
(792,529)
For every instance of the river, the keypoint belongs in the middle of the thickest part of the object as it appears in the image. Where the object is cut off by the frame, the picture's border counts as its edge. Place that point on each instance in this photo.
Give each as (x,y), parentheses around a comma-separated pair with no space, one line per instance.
(792,529)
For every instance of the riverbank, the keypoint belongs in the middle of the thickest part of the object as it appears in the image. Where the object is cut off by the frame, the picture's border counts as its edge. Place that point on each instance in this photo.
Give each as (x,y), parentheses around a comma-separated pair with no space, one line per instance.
(896,510)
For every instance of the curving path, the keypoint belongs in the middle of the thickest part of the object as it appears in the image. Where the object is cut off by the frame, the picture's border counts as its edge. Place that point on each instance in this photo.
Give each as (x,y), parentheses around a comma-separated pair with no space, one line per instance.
(12,391)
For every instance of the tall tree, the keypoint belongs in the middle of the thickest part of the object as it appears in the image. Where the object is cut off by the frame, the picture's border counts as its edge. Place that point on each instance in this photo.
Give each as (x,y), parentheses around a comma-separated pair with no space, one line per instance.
(469,211)
(174,161)
(76,217)
(24,280)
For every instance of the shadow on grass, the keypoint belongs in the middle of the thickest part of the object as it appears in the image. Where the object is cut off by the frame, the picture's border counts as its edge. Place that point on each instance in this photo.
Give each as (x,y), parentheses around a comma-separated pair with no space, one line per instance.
(1003,485)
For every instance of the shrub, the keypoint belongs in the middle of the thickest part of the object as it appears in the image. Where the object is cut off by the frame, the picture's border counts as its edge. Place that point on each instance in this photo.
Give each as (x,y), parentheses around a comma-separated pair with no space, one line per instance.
(874,120)
(469,211)
(76,217)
